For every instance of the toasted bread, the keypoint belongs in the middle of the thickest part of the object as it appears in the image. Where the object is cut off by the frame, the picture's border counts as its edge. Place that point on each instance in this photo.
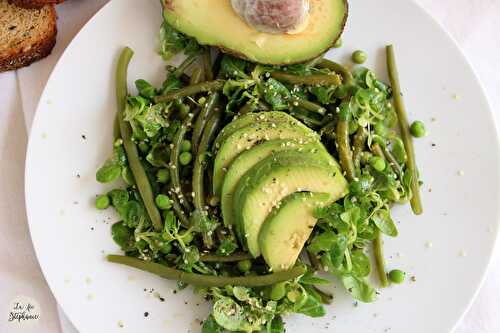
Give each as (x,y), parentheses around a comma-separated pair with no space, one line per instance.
(34,3)
(26,35)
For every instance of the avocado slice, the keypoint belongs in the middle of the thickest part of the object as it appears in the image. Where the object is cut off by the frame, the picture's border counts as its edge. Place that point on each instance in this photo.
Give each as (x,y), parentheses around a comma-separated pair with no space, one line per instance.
(225,29)
(249,119)
(247,137)
(288,227)
(246,160)
(275,177)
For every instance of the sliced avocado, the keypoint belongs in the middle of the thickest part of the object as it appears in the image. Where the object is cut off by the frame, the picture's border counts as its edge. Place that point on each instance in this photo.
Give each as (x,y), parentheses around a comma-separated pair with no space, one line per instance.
(249,119)
(275,177)
(247,137)
(227,30)
(246,160)
(287,228)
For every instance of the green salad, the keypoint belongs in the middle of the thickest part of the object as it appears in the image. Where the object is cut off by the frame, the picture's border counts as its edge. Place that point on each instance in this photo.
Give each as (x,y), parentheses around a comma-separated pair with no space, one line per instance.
(246,180)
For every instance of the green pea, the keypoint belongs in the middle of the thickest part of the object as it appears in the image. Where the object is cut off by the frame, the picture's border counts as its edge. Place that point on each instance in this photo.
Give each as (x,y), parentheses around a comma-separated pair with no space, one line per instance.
(244,265)
(417,129)
(102,201)
(397,276)
(359,57)
(163,201)
(377,163)
(278,291)
(163,176)
(165,248)
(185,158)
(185,145)
(361,186)
(338,43)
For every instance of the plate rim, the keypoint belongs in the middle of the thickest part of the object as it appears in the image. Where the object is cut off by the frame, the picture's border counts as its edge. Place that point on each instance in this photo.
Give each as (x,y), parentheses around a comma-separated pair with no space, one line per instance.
(458,50)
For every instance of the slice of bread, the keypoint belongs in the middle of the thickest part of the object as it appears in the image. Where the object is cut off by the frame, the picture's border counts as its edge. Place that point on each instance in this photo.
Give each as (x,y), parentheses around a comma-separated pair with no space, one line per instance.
(35,3)
(26,35)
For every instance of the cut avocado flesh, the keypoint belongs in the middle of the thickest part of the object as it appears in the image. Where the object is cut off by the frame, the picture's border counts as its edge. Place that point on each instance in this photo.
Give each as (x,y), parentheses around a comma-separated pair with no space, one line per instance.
(247,137)
(249,119)
(288,227)
(246,160)
(277,176)
(223,28)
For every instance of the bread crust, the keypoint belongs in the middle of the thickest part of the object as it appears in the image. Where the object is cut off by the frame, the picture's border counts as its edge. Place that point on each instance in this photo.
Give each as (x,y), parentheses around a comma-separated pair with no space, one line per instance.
(22,56)
(34,4)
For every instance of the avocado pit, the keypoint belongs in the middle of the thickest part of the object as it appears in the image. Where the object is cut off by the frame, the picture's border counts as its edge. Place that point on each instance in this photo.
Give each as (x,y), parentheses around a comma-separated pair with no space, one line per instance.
(273,16)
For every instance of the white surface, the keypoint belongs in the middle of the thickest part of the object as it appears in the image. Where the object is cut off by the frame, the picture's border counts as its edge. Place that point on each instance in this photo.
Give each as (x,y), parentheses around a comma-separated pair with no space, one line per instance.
(473,24)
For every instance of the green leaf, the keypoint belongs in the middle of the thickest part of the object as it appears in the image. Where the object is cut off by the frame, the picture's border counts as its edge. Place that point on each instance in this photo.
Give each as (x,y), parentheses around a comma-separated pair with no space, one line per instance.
(276,325)
(109,172)
(360,264)
(202,222)
(159,155)
(229,314)
(211,326)
(382,219)
(276,94)
(135,213)
(173,42)
(359,288)
(322,242)
(324,95)
(226,247)
(123,236)
(233,67)
(311,279)
(338,250)
(145,89)
(311,307)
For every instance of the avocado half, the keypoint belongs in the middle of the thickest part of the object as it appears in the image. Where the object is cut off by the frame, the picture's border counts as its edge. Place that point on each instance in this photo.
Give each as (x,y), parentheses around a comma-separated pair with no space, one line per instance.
(215,23)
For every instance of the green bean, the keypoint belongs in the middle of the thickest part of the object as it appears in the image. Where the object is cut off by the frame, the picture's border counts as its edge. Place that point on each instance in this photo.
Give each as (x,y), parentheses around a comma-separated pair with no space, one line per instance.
(344,146)
(312,80)
(116,128)
(379,259)
(404,127)
(207,65)
(358,144)
(197,76)
(337,68)
(238,256)
(303,116)
(174,161)
(134,161)
(250,107)
(202,119)
(309,106)
(199,167)
(208,280)
(176,206)
(184,65)
(207,86)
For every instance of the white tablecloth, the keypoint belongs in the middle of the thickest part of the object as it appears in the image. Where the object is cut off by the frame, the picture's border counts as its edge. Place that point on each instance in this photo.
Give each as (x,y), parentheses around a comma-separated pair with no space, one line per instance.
(473,23)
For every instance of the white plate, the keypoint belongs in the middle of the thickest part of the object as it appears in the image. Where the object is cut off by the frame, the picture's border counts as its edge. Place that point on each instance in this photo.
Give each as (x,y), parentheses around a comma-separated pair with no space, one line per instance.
(71,137)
